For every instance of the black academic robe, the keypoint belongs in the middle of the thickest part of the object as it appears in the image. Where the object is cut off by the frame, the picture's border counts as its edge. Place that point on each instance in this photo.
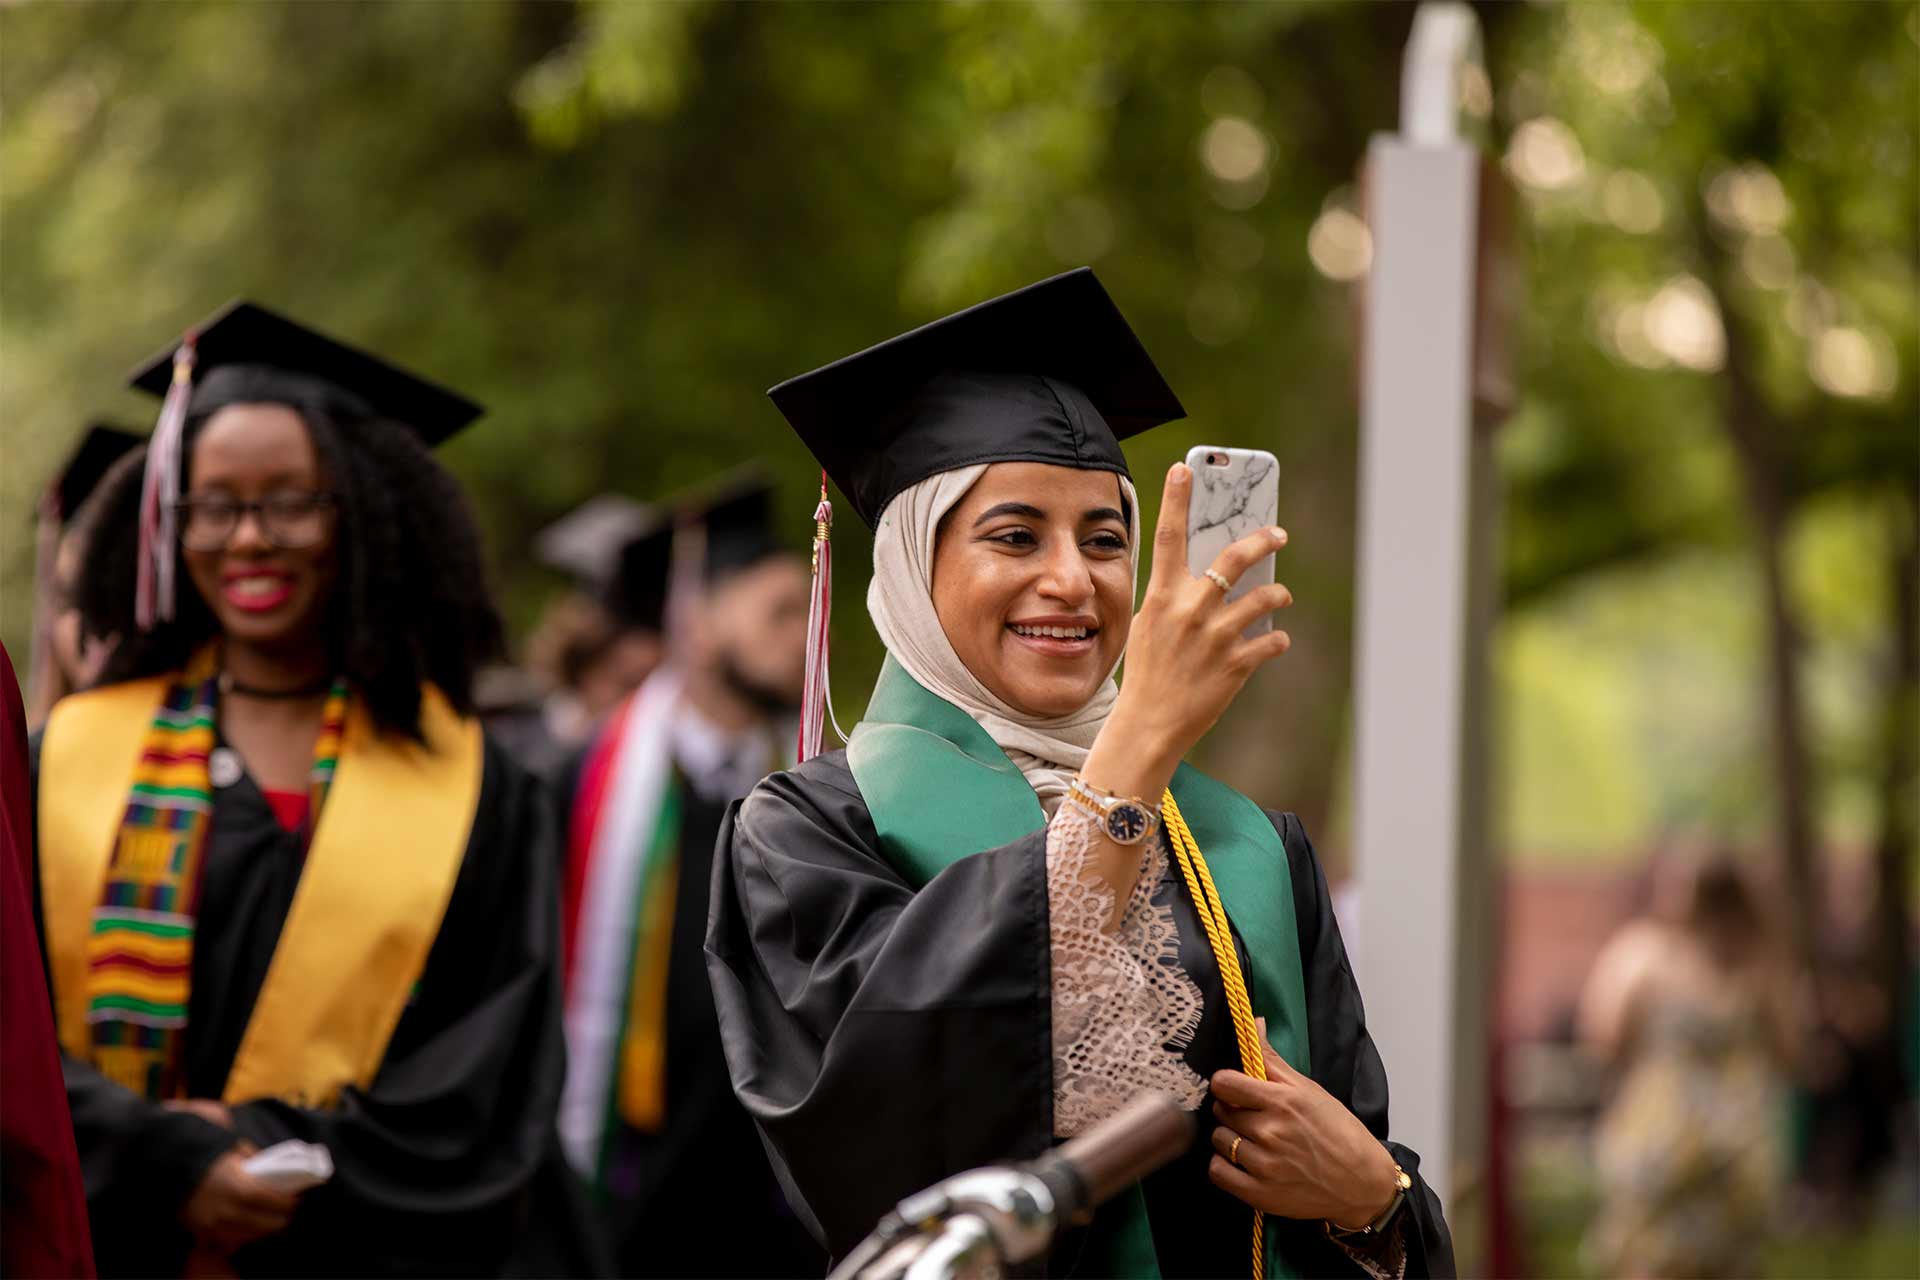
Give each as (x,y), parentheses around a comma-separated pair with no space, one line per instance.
(884,1038)
(437,1162)
(697,1198)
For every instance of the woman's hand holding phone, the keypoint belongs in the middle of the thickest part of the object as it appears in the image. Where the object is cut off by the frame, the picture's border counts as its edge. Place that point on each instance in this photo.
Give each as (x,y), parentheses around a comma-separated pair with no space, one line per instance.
(1188,655)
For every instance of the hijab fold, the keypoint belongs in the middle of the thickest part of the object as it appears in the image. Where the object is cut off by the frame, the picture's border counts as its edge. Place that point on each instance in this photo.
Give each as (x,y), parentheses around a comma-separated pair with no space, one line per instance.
(1048,750)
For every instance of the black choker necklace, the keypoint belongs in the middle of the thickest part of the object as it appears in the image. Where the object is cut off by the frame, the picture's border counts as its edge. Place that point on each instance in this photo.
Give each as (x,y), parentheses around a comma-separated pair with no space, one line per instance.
(229,685)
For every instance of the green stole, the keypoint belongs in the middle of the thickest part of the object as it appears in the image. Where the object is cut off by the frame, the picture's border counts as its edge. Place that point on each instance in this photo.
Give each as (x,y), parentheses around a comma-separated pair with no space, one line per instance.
(914,747)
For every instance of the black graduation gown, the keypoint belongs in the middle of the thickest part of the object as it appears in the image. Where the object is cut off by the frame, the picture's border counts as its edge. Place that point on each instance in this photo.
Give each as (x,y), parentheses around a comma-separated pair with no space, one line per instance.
(884,1038)
(698,1198)
(435,1163)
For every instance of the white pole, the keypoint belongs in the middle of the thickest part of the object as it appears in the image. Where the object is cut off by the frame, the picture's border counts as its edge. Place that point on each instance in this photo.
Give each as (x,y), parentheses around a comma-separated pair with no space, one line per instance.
(1419,637)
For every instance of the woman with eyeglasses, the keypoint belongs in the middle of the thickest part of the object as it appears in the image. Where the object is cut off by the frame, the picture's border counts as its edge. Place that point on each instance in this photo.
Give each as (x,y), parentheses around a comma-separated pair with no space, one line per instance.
(289,889)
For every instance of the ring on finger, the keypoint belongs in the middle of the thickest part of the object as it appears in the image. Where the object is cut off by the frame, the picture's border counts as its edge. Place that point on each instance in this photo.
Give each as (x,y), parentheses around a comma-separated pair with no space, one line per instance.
(1219,580)
(1233,1152)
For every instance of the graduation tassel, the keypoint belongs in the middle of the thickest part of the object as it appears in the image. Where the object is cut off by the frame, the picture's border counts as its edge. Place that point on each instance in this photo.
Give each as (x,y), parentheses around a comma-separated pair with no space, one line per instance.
(685,572)
(159,491)
(815,705)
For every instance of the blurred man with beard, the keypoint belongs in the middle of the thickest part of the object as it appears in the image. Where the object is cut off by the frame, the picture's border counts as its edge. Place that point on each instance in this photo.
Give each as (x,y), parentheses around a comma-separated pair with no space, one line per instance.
(649,1117)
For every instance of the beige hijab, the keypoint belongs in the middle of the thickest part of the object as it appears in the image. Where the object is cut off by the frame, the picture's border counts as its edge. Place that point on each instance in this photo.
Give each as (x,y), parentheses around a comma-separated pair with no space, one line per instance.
(1047,750)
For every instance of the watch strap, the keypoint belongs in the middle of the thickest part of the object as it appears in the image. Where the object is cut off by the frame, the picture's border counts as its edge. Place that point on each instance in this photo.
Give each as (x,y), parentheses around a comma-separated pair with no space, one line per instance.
(1403,1183)
(1102,804)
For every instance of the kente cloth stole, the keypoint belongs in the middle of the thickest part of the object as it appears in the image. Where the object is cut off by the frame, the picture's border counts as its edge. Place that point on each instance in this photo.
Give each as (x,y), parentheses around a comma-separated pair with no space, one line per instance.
(140,949)
(939,789)
(124,812)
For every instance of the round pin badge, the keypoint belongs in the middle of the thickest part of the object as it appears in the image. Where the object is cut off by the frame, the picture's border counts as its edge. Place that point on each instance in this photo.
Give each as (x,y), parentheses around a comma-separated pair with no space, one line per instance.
(224,767)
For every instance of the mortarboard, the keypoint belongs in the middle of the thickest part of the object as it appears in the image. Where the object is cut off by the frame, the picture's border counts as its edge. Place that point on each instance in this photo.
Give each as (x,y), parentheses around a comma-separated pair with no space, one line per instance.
(735,516)
(1048,373)
(637,592)
(586,543)
(87,466)
(247,333)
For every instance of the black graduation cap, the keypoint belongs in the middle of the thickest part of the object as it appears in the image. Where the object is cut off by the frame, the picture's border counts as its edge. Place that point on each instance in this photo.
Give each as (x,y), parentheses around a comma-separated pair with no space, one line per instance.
(246,333)
(637,592)
(736,517)
(101,447)
(585,544)
(1048,373)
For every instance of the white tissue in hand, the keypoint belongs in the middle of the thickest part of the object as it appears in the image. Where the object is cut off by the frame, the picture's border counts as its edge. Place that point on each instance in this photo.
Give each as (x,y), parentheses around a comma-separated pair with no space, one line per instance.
(290,1166)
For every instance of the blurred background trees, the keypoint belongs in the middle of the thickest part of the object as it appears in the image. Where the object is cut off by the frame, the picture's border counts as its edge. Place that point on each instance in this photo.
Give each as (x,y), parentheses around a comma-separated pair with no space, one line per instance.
(617,223)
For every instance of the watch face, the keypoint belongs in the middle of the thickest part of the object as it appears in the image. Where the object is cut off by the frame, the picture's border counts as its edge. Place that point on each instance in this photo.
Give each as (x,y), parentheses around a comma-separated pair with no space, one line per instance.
(1126,823)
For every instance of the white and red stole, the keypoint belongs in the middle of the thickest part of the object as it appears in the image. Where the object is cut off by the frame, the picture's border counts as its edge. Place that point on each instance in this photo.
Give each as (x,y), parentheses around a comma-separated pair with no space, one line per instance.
(622,864)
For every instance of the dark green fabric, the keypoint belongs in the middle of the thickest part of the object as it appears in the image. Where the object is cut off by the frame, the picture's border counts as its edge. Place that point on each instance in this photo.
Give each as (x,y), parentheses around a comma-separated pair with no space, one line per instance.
(939,789)
(662,850)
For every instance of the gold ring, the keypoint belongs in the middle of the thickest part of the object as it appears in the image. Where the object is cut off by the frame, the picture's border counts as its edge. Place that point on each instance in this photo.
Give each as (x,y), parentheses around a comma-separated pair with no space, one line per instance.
(1233,1152)
(1219,580)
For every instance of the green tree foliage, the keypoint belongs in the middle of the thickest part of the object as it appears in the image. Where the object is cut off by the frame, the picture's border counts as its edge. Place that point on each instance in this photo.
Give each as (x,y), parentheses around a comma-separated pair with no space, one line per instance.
(617,223)
(1724,206)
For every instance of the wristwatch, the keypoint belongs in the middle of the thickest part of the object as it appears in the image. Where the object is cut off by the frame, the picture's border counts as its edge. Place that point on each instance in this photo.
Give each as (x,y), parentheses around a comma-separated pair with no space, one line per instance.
(1123,819)
(1402,1183)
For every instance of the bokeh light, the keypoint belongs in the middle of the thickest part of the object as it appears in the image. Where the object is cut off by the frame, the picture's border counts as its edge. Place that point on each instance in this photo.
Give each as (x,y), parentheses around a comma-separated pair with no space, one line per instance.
(1340,244)
(1853,363)
(1749,199)
(1234,149)
(1632,202)
(1768,261)
(1545,155)
(1683,323)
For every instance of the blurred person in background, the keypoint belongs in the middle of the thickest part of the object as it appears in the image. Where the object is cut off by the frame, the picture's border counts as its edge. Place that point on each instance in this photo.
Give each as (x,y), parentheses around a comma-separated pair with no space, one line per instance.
(592,646)
(1854,1091)
(649,1116)
(65,657)
(1692,1009)
(987,924)
(288,888)
(598,642)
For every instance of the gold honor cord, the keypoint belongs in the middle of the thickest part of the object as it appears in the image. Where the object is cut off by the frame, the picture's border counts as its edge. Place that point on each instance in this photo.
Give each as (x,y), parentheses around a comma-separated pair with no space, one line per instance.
(1213,917)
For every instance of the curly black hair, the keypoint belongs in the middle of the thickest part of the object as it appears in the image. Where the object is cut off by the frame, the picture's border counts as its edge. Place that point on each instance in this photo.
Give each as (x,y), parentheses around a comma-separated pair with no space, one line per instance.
(411,605)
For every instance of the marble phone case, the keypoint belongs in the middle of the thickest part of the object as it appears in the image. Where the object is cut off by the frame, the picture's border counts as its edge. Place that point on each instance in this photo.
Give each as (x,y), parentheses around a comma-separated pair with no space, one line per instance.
(1235,491)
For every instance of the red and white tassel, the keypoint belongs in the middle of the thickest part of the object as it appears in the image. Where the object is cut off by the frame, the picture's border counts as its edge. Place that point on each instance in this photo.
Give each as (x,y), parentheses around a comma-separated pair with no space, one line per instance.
(153,598)
(815,701)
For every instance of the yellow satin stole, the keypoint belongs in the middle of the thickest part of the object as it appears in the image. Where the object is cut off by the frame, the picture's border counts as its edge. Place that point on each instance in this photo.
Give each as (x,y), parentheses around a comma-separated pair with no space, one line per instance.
(382,865)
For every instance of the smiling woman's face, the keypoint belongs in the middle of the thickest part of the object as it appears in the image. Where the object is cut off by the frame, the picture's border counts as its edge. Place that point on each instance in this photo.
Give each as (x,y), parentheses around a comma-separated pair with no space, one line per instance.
(1033,583)
(264,595)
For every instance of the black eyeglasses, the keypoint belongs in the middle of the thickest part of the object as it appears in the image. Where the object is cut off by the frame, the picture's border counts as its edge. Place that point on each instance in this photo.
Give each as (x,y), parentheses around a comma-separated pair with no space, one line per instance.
(289,519)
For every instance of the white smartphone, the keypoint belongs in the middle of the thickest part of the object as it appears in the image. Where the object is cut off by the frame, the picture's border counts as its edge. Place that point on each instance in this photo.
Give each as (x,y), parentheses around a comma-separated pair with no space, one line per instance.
(1235,491)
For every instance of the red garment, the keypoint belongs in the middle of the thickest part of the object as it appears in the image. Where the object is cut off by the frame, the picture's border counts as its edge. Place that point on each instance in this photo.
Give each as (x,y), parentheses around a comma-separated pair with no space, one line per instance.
(584,806)
(289,807)
(43,1230)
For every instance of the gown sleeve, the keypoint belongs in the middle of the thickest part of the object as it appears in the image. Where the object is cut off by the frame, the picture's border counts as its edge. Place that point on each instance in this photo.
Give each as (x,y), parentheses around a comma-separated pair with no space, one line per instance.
(1345,1062)
(881,1037)
(433,1162)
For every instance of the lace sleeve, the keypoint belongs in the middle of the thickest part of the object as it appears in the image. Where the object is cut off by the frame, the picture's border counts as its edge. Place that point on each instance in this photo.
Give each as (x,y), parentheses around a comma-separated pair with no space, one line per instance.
(1387,1259)
(1124,1010)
